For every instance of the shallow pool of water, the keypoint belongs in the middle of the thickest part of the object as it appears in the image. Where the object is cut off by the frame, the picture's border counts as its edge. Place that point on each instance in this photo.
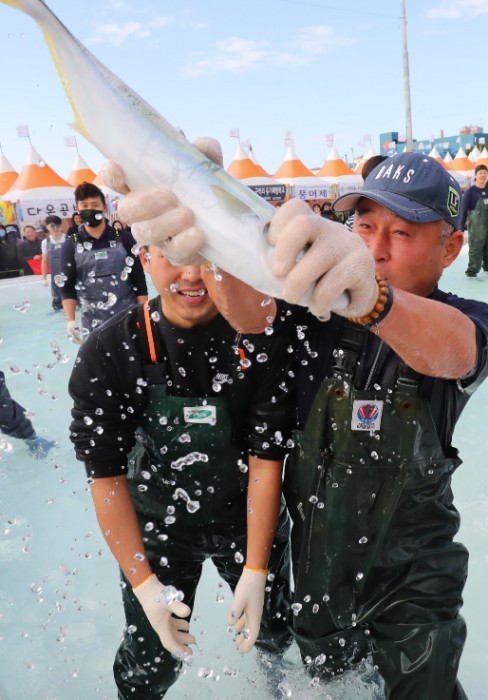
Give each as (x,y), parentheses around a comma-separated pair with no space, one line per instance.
(60,610)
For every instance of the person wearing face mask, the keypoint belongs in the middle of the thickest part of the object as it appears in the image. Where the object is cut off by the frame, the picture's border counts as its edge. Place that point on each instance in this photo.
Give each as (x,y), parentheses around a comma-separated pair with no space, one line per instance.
(99,267)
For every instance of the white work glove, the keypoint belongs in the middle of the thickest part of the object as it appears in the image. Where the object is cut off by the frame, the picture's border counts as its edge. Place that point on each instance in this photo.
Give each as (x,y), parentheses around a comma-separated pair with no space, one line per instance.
(74,332)
(335,261)
(156,216)
(247,609)
(172,631)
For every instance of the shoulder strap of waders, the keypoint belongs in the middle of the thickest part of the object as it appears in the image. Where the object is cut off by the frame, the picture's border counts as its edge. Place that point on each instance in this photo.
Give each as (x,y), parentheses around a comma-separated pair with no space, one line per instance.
(150,342)
(349,344)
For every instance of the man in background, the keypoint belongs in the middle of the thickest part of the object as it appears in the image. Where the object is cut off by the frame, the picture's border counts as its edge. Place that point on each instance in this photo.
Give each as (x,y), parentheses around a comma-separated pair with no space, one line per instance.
(474,214)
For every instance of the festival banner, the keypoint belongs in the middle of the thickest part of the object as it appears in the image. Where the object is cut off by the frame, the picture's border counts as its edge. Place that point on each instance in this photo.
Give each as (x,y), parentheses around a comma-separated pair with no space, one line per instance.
(35,211)
(271,193)
(325,191)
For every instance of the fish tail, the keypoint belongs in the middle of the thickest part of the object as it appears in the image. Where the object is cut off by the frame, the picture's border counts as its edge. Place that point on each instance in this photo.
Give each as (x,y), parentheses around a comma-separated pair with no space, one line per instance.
(30,7)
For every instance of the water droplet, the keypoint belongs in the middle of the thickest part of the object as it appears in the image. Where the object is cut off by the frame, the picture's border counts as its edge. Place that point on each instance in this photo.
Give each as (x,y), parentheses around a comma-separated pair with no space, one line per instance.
(170,594)
(296,607)
(363,540)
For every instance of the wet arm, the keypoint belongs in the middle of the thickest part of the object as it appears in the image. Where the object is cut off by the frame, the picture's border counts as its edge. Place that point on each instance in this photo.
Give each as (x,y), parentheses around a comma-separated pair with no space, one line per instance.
(69,308)
(44,264)
(433,338)
(120,528)
(263,507)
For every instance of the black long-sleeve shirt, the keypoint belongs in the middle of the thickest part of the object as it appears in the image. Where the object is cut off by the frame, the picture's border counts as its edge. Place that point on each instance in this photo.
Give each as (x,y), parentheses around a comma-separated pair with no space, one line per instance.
(470,200)
(378,364)
(109,389)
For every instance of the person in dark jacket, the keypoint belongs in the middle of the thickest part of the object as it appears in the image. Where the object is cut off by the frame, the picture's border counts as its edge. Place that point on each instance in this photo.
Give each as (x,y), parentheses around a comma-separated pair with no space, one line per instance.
(76,222)
(9,260)
(29,249)
(14,423)
(474,215)
(183,435)
(377,567)
(99,267)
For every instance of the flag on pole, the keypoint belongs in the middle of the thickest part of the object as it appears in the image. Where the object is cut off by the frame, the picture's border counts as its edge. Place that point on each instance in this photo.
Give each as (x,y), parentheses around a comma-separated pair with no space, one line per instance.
(23,131)
(234,133)
(70,142)
(329,140)
(367,138)
(288,140)
(246,144)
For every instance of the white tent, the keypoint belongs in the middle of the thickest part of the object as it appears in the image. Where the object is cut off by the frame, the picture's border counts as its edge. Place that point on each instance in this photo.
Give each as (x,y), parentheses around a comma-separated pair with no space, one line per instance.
(462,169)
(39,191)
(80,172)
(7,175)
(304,184)
(337,174)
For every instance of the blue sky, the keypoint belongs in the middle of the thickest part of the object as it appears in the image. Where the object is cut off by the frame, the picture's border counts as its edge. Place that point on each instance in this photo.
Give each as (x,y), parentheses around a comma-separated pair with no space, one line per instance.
(270,67)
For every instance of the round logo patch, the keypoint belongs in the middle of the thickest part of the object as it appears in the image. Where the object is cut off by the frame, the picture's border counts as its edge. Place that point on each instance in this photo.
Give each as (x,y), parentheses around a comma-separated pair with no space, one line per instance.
(368,412)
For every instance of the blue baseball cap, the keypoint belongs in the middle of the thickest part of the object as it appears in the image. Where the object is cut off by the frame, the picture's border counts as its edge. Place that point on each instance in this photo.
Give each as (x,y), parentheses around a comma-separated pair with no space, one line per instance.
(415,187)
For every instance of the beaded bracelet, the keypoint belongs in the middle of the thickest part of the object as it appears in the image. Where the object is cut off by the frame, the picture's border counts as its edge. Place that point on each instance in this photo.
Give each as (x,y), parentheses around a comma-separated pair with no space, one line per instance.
(382,306)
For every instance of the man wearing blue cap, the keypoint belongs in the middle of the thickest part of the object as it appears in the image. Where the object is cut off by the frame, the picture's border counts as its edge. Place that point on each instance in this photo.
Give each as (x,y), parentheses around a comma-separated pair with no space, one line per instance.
(368,484)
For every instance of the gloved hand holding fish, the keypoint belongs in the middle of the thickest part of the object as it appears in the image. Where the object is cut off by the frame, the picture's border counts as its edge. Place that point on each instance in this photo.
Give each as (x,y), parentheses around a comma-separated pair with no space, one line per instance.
(228,222)
(336,259)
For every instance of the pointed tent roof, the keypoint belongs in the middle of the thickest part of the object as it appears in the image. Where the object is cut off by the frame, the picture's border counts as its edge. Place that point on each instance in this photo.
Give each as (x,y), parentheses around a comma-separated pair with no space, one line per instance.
(437,156)
(291,168)
(252,156)
(80,172)
(483,159)
(242,167)
(334,166)
(448,158)
(7,175)
(475,154)
(37,173)
(369,154)
(461,162)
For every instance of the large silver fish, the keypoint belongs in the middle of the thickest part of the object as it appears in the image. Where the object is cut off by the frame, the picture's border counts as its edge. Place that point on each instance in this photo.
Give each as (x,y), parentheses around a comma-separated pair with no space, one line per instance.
(152,152)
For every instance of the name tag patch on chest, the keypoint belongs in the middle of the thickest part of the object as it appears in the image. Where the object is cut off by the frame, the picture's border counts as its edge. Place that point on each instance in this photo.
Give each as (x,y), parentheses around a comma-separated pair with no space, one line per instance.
(200,414)
(100,255)
(366,415)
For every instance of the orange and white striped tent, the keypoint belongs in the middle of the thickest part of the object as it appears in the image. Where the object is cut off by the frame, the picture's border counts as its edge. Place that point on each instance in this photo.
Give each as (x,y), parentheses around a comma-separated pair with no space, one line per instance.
(461,162)
(483,159)
(335,171)
(292,168)
(244,168)
(369,154)
(334,166)
(39,191)
(437,156)
(475,154)
(80,172)
(7,175)
(462,169)
(38,180)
